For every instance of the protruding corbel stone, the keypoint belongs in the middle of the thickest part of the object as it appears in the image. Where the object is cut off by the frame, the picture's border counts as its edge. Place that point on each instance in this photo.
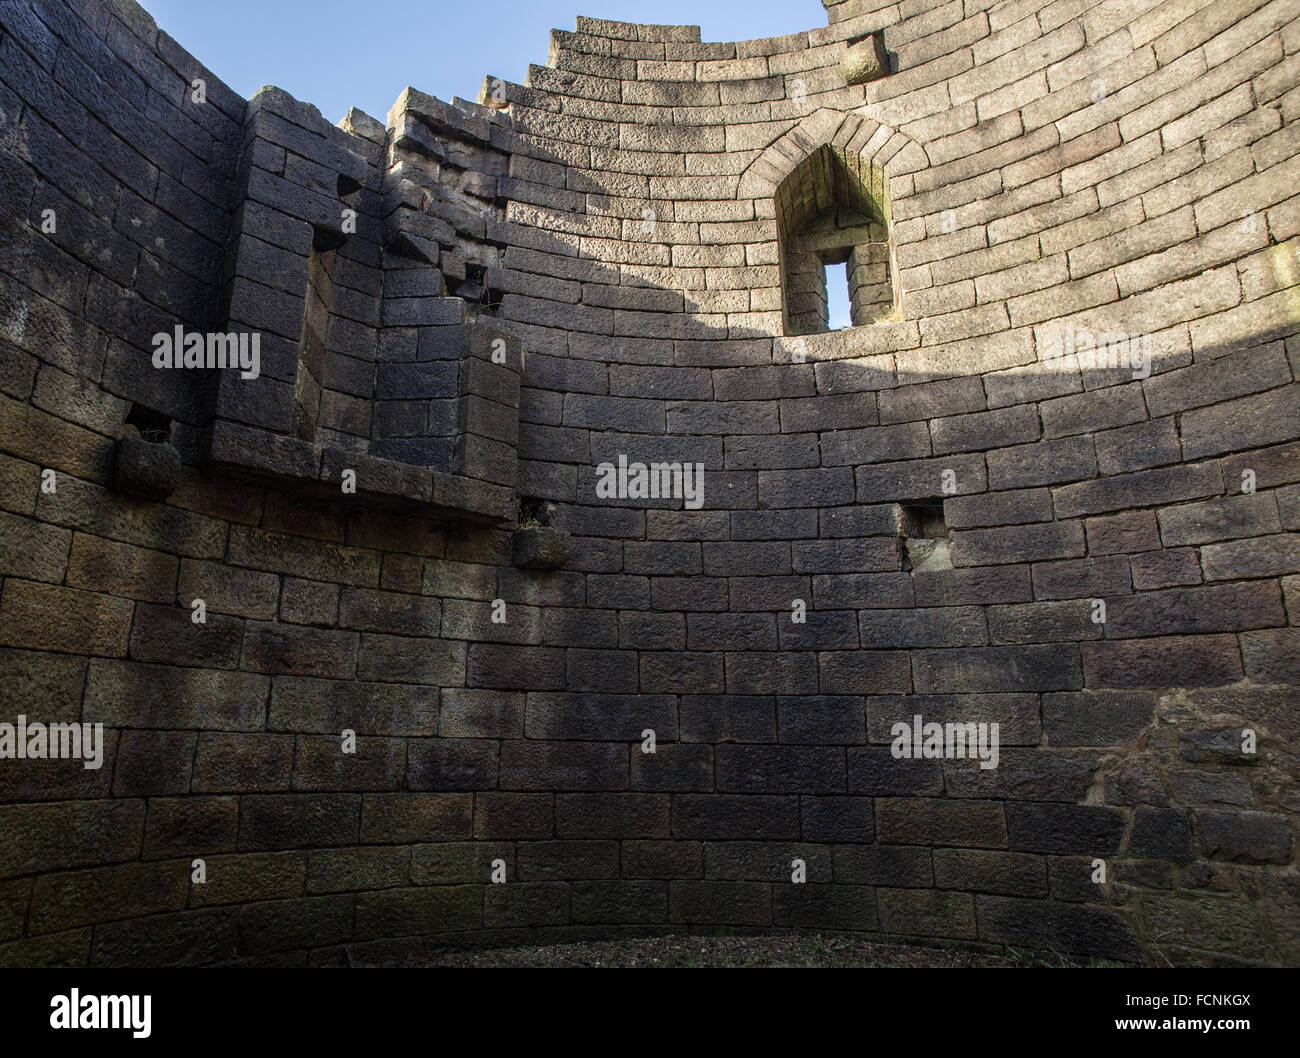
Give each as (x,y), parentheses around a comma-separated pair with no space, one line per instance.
(865,59)
(541,547)
(150,470)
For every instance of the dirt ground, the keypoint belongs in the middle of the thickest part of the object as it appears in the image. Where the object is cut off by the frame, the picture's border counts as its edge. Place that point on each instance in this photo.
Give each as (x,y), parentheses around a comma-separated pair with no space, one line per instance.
(810,951)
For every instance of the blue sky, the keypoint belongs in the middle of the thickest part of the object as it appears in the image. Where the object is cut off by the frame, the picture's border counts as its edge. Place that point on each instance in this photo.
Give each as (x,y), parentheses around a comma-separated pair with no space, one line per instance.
(362,53)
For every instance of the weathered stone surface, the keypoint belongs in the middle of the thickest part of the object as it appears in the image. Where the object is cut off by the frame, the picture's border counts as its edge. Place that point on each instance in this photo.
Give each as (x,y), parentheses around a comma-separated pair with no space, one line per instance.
(150,470)
(1082,929)
(71,834)
(1074,828)
(918,821)
(541,547)
(926,913)
(1245,837)
(1214,923)
(1089,719)
(1066,383)
(1161,834)
(1225,746)
(865,60)
(1007,874)
(48,617)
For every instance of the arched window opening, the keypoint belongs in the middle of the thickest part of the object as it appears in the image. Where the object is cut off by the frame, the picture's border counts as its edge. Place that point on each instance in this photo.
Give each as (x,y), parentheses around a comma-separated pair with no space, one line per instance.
(833,209)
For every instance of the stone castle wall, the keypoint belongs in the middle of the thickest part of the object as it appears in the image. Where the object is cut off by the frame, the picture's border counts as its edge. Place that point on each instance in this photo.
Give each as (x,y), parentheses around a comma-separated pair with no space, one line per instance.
(471,306)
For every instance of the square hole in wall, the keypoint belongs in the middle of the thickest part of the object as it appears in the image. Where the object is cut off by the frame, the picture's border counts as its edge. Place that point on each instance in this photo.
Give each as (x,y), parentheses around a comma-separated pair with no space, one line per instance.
(151,425)
(926,544)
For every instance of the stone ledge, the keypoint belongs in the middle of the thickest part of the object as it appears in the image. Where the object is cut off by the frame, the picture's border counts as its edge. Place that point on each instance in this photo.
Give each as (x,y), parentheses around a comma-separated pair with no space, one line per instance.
(386,482)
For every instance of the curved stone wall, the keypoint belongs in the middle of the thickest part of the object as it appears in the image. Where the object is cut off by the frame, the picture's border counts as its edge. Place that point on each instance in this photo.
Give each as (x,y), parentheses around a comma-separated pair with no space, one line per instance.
(967,512)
